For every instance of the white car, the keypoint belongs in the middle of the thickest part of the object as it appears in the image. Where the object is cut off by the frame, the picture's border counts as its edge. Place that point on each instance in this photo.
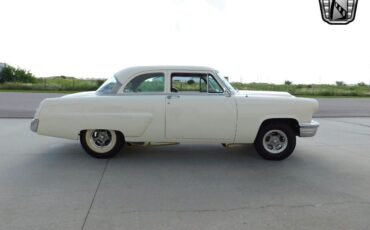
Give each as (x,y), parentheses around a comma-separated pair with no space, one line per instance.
(176,104)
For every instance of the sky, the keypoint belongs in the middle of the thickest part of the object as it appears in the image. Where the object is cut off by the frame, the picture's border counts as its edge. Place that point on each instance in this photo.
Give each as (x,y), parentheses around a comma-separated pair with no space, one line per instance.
(248,41)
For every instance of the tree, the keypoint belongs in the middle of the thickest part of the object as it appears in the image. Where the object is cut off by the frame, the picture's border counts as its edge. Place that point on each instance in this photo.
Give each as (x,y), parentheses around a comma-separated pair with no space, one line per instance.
(340,83)
(11,74)
(287,82)
(7,74)
(361,84)
(24,76)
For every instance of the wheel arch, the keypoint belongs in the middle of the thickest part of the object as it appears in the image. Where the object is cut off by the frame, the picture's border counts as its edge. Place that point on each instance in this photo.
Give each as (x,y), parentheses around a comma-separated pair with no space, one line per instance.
(116,130)
(291,122)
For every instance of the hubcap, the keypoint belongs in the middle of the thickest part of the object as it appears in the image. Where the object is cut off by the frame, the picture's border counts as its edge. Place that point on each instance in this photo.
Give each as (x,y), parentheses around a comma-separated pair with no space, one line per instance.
(275,141)
(101,140)
(101,137)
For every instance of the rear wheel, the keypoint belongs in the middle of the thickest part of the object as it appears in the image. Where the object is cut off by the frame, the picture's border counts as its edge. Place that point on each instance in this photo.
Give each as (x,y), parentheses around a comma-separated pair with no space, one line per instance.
(101,143)
(275,141)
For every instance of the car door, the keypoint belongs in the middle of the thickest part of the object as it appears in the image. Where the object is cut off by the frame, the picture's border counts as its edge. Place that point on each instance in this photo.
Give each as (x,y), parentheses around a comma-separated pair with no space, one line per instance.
(198,108)
(143,107)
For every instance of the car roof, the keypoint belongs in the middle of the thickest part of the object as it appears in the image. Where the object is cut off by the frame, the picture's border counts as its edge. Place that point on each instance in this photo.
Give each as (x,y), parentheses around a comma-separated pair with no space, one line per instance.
(127,72)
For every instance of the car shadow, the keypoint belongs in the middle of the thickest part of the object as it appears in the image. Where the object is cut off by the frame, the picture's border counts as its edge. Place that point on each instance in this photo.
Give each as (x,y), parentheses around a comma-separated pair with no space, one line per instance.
(243,157)
(74,151)
(210,155)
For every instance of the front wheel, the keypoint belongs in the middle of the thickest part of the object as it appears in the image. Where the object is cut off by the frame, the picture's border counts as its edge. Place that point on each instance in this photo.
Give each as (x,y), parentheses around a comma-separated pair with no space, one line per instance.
(101,143)
(275,141)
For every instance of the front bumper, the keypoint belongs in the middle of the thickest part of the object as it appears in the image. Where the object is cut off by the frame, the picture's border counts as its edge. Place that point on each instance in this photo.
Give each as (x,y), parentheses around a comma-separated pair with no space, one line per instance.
(308,129)
(34,125)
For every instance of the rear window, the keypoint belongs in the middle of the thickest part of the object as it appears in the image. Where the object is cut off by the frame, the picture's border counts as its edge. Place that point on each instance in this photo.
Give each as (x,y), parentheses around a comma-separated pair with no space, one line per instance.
(110,86)
(146,83)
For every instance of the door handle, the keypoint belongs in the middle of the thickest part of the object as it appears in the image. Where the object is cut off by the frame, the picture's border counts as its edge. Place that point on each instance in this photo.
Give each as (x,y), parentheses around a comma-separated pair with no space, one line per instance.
(173,96)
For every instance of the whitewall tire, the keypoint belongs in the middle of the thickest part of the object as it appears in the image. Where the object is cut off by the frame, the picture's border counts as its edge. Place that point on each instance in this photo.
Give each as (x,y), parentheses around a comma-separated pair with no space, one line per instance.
(101,143)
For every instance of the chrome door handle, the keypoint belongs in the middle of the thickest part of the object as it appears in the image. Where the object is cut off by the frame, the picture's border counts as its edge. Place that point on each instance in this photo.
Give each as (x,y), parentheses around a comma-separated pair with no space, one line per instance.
(173,96)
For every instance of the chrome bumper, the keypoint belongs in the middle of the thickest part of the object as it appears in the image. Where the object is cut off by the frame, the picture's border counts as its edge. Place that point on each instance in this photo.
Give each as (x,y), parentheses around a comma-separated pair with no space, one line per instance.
(34,125)
(308,129)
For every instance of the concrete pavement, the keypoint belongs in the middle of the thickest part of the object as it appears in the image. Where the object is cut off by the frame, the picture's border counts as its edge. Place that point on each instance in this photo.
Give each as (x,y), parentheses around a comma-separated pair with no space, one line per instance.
(50,183)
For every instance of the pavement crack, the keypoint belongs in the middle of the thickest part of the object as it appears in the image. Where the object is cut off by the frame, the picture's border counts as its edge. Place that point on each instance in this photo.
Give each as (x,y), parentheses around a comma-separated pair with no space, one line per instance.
(96,191)
(318,205)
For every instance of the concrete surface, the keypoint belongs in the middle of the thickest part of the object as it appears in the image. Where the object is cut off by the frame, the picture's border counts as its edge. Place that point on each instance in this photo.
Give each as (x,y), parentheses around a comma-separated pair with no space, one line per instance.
(49,183)
(23,105)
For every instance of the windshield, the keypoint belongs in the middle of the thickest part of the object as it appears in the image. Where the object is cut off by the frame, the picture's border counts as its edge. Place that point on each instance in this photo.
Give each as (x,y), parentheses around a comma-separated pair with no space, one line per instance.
(226,83)
(110,86)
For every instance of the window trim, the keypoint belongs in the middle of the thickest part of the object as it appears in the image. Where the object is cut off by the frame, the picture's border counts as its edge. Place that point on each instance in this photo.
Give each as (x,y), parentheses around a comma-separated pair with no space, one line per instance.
(207,75)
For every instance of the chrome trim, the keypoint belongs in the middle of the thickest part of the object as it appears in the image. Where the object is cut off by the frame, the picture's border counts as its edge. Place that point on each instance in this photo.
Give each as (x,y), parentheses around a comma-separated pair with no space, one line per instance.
(34,125)
(225,94)
(167,75)
(308,129)
(173,96)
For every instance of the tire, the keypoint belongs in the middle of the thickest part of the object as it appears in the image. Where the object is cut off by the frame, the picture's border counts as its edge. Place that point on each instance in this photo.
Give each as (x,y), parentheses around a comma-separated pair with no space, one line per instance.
(100,143)
(275,141)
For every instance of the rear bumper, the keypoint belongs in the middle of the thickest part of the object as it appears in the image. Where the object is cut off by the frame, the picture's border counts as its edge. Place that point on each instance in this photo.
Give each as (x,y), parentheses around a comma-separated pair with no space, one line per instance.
(308,129)
(34,125)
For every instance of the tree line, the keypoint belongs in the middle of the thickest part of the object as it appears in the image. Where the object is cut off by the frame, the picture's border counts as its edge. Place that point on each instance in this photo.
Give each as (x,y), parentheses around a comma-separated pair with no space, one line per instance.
(11,74)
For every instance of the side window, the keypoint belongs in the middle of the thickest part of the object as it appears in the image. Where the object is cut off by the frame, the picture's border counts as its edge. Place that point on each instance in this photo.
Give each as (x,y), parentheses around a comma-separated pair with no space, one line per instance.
(194,82)
(189,82)
(150,82)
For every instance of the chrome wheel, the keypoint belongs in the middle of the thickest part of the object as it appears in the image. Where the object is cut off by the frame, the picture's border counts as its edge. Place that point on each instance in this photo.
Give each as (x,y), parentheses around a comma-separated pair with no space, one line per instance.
(275,141)
(101,140)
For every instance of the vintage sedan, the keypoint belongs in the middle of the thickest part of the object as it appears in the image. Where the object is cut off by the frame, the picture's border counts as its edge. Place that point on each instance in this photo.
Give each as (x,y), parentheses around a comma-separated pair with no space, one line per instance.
(176,104)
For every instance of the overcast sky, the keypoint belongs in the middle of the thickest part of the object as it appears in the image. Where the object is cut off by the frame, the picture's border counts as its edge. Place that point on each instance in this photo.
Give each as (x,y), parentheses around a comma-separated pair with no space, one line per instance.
(263,41)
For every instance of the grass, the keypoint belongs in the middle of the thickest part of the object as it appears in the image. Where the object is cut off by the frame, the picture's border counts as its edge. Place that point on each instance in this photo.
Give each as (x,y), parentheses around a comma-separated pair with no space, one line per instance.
(64,84)
(322,90)
(37,91)
(53,84)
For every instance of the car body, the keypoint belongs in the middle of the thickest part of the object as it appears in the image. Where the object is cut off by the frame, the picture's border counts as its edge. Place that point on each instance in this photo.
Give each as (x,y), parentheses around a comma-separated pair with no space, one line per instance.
(173,104)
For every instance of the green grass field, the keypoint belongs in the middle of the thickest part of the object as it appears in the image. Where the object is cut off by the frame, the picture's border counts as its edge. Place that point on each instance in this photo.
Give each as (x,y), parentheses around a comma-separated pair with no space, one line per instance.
(71,85)
(54,84)
(322,90)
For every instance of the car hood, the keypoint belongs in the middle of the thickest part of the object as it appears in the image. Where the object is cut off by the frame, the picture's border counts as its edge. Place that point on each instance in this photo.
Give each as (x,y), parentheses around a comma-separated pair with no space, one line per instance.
(263,93)
(82,94)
